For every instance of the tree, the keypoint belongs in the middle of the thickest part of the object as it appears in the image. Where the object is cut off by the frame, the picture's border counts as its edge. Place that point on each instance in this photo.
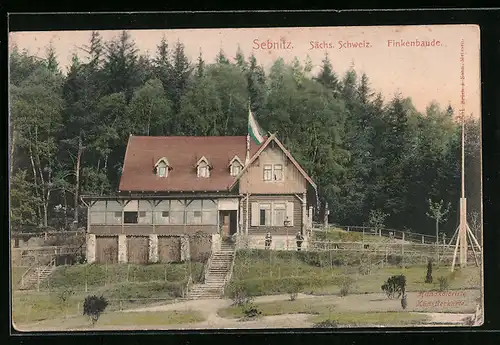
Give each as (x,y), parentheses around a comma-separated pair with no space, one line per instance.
(428,276)
(93,307)
(377,220)
(36,119)
(121,68)
(438,212)
(23,201)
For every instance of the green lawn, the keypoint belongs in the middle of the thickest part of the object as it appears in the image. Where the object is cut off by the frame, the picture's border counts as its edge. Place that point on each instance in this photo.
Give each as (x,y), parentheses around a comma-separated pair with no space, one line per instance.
(270,272)
(77,277)
(17,273)
(300,306)
(146,286)
(372,319)
(150,319)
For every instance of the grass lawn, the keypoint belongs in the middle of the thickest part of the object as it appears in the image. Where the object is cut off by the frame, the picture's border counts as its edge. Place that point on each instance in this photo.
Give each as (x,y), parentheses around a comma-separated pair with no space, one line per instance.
(300,306)
(17,273)
(372,319)
(261,273)
(160,318)
(96,275)
(146,286)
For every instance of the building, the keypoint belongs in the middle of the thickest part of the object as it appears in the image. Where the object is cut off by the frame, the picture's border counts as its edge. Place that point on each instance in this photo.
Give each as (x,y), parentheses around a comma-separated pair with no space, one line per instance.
(174,187)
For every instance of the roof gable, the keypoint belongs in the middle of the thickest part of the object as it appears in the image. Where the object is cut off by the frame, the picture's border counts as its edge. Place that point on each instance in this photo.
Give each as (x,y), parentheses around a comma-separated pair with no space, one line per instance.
(270,139)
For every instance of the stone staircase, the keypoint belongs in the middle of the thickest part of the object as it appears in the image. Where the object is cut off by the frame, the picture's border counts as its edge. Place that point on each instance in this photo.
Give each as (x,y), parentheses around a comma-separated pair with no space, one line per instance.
(217,272)
(36,274)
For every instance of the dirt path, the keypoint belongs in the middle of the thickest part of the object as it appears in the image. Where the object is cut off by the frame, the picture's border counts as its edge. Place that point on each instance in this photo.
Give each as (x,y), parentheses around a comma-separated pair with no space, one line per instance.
(374,302)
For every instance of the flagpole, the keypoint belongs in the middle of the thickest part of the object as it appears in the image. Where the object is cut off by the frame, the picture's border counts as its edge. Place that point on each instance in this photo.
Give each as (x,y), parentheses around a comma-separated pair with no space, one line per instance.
(247,158)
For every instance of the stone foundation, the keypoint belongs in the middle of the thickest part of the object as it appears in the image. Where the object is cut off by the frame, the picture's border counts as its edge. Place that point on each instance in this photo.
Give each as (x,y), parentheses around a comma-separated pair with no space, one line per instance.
(185,252)
(91,248)
(153,248)
(122,248)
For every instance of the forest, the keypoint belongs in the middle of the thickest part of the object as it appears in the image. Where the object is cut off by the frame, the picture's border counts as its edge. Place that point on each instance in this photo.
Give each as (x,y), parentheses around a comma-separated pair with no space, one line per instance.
(370,154)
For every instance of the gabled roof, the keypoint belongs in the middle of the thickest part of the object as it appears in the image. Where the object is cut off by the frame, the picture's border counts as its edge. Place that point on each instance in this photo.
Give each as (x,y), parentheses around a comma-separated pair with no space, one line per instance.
(235,158)
(182,153)
(270,139)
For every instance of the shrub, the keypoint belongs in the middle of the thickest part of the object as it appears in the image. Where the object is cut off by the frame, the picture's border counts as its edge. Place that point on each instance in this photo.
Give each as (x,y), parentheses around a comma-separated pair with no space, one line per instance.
(428,276)
(240,296)
(251,311)
(326,324)
(93,307)
(345,286)
(443,283)
(395,285)
(293,290)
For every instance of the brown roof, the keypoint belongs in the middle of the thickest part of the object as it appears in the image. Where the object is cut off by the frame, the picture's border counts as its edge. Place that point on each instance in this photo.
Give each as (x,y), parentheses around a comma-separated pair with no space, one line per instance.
(182,153)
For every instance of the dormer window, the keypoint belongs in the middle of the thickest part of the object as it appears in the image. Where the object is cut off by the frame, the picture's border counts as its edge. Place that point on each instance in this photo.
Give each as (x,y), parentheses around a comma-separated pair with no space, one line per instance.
(203,168)
(235,166)
(162,167)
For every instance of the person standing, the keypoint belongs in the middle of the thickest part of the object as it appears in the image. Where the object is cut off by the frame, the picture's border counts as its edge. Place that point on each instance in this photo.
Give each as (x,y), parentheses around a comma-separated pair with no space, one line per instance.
(269,239)
(299,238)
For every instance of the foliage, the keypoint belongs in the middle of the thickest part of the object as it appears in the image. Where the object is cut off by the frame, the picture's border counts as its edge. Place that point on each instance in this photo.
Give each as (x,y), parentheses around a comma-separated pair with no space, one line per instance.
(428,276)
(293,290)
(374,159)
(395,285)
(443,283)
(93,307)
(326,324)
(345,285)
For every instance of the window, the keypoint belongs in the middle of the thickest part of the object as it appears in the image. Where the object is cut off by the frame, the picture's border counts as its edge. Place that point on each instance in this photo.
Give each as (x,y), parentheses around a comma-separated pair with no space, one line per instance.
(265,214)
(130,218)
(203,170)
(142,214)
(197,214)
(165,214)
(161,167)
(268,172)
(278,172)
(279,214)
(235,169)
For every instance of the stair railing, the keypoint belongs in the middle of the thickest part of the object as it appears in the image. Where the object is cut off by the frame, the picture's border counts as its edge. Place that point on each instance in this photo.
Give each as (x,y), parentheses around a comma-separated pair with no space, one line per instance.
(188,286)
(230,273)
(28,271)
(207,267)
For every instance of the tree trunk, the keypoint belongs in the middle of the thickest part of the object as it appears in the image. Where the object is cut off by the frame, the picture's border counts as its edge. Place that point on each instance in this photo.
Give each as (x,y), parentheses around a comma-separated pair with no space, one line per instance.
(12,151)
(77,177)
(42,183)
(65,210)
(35,182)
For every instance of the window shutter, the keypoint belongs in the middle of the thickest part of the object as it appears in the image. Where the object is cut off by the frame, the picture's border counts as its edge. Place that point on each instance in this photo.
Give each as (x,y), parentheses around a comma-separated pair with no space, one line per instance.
(255,214)
(289,212)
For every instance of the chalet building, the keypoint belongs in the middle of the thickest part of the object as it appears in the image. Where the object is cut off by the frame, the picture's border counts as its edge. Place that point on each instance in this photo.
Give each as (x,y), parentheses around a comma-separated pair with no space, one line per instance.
(214,187)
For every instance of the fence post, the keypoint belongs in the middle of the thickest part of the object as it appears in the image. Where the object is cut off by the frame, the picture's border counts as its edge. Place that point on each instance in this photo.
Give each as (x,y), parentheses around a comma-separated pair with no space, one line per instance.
(403,251)
(348,229)
(423,239)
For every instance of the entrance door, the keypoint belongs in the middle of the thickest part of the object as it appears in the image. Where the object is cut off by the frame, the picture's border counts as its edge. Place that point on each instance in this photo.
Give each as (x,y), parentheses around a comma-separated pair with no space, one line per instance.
(224,220)
(233,222)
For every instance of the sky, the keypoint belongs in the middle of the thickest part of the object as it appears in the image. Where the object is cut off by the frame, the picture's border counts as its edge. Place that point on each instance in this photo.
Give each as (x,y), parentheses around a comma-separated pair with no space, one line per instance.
(432,72)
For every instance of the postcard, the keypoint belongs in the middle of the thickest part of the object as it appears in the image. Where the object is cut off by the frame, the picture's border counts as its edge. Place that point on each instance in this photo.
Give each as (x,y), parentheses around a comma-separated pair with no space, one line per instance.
(303,177)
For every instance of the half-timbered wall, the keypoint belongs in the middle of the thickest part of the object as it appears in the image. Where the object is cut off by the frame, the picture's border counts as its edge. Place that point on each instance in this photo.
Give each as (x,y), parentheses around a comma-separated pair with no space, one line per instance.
(268,203)
(253,180)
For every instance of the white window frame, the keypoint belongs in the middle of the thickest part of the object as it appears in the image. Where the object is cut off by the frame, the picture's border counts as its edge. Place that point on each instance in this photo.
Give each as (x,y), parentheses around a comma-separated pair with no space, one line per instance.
(235,168)
(268,168)
(278,206)
(274,172)
(267,208)
(203,170)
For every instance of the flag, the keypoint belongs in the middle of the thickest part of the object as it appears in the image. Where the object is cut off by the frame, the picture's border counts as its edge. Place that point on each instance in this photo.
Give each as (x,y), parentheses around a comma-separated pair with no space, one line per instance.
(254,129)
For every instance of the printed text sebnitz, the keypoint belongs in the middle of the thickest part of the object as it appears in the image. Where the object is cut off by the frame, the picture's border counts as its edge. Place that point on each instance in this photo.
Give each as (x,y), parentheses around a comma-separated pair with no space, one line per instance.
(340,44)
(282,44)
